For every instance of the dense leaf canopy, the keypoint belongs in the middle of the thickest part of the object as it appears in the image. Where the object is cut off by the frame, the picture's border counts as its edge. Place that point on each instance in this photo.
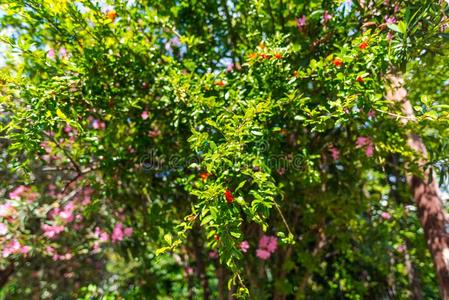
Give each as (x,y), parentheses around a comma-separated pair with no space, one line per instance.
(197,149)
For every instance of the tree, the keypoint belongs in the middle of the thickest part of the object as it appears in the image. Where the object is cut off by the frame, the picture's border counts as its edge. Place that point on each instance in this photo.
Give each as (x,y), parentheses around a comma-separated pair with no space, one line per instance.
(186,149)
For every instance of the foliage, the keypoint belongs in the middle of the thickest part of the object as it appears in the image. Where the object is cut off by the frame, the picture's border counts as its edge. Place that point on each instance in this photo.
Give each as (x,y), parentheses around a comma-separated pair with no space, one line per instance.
(179,149)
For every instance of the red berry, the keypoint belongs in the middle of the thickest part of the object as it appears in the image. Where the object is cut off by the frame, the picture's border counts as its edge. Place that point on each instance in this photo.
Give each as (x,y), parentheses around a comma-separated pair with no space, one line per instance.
(204,176)
(360,79)
(337,62)
(229,197)
(363,45)
(216,237)
(220,83)
(111,15)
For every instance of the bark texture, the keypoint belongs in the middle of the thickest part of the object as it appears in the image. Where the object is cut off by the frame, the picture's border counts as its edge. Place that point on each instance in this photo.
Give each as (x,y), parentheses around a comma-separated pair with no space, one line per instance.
(425,191)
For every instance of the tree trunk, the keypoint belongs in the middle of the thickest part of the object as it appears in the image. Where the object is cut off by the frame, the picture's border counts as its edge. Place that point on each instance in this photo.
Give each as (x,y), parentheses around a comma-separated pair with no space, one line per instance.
(425,191)
(5,274)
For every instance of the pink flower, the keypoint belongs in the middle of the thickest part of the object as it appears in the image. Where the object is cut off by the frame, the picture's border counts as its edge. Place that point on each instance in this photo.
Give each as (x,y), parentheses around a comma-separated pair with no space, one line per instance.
(263,254)
(67,129)
(128,231)
(144,115)
(401,248)
(7,210)
(63,52)
(52,231)
(361,141)
(66,216)
(11,248)
(25,249)
(104,237)
(268,243)
(300,23)
(79,218)
(326,16)
(101,235)
(366,142)
(17,192)
(385,215)
(213,254)
(244,246)
(118,233)
(51,54)
(267,246)
(50,250)
(390,20)
(3,229)
(272,245)
(334,152)
(369,151)
(371,113)
(95,124)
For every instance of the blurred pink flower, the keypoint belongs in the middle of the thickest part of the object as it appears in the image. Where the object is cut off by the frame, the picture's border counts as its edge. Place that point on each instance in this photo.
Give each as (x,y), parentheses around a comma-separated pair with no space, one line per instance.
(52,231)
(66,216)
(3,229)
(101,235)
(326,16)
(119,232)
(128,231)
(390,20)
(385,215)
(51,53)
(263,254)
(401,248)
(95,124)
(25,249)
(300,23)
(63,52)
(363,141)
(7,210)
(267,246)
(17,192)
(369,151)
(67,129)
(335,153)
(244,246)
(268,243)
(145,115)
(50,250)
(213,254)
(11,248)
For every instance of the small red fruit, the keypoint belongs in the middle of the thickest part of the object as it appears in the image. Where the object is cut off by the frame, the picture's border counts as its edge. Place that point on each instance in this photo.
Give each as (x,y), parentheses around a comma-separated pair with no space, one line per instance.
(360,79)
(252,55)
(220,83)
(265,56)
(216,237)
(295,74)
(111,15)
(337,62)
(229,197)
(204,176)
(363,45)
(278,55)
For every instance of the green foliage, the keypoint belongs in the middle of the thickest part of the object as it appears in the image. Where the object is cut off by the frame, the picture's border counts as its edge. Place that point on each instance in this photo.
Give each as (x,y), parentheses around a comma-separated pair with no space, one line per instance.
(206,124)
